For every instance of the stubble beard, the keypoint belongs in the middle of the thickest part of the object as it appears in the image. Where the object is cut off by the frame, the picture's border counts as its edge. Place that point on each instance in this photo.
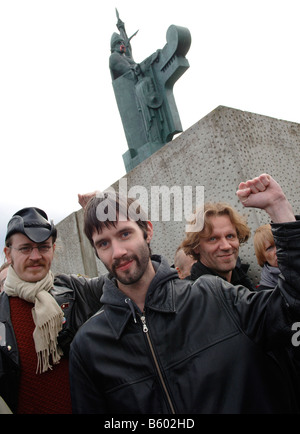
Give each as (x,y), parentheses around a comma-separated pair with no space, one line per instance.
(141,262)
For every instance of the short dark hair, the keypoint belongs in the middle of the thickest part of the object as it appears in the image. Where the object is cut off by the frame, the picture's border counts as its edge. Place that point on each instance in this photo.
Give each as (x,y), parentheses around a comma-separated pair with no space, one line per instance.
(113,205)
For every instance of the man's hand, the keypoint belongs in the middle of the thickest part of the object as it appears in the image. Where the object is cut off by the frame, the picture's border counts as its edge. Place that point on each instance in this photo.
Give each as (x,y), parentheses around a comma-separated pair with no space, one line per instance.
(265,193)
(84,198)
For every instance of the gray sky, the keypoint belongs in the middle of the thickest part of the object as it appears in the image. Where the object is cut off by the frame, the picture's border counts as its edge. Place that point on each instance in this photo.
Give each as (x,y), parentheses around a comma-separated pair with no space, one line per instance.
(61,132)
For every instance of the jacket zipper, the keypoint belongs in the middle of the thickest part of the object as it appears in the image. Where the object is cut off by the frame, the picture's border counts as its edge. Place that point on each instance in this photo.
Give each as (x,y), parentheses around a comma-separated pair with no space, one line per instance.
(146,330)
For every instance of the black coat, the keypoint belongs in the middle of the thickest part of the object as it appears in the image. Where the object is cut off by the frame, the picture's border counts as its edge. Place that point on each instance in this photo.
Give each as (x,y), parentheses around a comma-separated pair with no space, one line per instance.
(203,347)
(239,274)
(78,297)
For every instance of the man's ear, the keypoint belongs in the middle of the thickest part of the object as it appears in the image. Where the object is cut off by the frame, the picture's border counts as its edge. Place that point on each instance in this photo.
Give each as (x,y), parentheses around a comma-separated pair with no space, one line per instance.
(197,250)
(149,232)
(7,252)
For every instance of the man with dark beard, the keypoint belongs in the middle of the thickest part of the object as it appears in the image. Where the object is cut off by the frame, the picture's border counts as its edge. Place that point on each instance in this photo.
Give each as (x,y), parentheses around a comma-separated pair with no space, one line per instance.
(163,345)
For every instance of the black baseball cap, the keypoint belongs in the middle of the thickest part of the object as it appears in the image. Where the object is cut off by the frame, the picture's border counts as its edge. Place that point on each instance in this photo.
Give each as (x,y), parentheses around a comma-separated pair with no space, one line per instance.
(32,222)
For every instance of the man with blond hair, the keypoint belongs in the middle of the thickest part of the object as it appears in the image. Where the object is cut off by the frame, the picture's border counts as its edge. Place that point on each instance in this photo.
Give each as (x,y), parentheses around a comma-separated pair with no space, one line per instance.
(215,248)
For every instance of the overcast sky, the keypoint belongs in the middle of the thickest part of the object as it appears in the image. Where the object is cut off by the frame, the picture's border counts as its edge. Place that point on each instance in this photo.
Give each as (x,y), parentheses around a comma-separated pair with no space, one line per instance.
(61,133)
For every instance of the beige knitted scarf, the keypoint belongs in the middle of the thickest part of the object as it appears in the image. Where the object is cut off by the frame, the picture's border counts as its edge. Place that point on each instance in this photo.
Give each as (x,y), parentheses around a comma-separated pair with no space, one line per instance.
(46,313)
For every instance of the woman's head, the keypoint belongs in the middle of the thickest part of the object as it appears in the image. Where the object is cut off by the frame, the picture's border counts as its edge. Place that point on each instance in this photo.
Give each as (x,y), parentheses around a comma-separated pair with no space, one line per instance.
(264,246)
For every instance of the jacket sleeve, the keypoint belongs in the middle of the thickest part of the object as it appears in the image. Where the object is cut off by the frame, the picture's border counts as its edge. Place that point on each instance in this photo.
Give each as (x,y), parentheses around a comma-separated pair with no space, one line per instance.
(85,294)
(85,395)
(267,316)
(287,240)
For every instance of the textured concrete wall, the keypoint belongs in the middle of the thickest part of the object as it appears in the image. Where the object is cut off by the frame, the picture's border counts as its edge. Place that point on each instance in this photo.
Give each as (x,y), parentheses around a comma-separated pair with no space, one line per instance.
(224,148)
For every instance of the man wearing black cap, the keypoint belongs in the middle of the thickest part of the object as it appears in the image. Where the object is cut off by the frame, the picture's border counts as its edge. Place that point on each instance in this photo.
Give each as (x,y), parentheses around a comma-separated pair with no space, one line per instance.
(39,316)
(32,247)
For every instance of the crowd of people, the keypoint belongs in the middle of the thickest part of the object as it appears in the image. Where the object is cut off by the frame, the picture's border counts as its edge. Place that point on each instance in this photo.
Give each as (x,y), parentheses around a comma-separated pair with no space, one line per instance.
(149,338)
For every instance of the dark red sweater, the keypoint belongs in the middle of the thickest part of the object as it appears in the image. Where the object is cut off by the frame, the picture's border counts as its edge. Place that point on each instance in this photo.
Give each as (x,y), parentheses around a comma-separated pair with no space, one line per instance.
(46,393)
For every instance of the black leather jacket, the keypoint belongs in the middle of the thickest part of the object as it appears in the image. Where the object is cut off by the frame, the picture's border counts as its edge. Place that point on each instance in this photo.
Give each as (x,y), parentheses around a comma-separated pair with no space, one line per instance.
(203,347)
(78,297)
(239,273)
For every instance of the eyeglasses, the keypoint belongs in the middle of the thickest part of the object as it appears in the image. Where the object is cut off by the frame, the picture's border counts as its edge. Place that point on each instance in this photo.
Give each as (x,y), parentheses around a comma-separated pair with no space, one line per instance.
(27,250)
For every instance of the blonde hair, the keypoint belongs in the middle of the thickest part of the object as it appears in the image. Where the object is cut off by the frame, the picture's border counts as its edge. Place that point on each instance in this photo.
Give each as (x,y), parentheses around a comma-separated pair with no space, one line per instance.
(192,239)
(263,233)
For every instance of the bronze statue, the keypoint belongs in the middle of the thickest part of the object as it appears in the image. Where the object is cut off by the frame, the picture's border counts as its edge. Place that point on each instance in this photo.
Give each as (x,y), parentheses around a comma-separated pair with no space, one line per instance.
(144,91)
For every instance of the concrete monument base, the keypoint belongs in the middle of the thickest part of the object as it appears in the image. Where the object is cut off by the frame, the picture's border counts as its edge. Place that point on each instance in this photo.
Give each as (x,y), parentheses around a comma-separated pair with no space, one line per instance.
(224,148)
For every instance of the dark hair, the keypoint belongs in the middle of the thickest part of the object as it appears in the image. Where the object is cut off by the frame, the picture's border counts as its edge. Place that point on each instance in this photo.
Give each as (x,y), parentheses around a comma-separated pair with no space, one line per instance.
(105,209)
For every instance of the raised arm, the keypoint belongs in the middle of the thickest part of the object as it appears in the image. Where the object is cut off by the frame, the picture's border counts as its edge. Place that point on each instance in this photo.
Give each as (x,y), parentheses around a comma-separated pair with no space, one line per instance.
(265,193)
(268,317)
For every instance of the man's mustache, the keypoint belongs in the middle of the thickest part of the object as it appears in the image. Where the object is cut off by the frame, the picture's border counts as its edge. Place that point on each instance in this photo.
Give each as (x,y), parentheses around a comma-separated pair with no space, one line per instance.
(124,259)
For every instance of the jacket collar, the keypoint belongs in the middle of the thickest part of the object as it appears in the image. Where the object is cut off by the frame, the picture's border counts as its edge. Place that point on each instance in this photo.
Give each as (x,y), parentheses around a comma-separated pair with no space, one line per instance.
(199,269)
(160,297)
